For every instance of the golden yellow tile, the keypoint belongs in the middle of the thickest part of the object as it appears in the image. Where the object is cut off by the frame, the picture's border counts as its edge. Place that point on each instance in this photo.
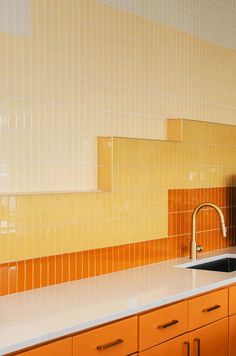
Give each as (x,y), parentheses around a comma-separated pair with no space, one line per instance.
(87,63)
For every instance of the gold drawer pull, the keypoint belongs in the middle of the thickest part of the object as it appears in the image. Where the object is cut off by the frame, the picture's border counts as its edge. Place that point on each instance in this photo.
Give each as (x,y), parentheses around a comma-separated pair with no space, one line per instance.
(110,344)
(198,346)
(166,325)
(214,307)
(188,347)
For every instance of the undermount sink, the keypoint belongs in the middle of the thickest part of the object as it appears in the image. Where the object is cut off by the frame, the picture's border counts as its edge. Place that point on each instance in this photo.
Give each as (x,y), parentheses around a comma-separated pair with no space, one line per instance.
(222,263)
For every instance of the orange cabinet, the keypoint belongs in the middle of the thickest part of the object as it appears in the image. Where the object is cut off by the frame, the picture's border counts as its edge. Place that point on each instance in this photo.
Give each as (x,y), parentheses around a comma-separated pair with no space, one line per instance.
(57,348)
(208,308)
(178,346)
(198,326)
(162,324)
(116,339)
(210,340)
(232,335)
(232,300)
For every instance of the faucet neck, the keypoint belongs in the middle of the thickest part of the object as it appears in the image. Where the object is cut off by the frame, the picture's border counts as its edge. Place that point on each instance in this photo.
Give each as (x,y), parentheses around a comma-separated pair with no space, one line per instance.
(194,215)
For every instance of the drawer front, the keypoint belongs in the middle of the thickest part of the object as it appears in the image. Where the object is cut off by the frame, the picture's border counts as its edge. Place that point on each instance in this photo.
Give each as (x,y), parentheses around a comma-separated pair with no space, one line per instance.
(162,324)
(232,300)
(178,346)
(57,348)
(208,308)
(116,339)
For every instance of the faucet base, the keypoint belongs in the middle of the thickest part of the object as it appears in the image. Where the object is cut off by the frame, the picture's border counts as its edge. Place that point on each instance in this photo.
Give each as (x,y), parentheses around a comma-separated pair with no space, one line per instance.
(193,250)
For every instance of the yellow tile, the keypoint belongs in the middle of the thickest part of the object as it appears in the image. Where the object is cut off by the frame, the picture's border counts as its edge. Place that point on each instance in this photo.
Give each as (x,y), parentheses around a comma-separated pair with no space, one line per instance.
(86,70)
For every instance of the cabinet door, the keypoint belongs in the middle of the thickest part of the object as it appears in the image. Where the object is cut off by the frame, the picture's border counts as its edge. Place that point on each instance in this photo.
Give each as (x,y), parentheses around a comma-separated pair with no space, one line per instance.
(178,346)
(57,348)
(210,340)
(232,335)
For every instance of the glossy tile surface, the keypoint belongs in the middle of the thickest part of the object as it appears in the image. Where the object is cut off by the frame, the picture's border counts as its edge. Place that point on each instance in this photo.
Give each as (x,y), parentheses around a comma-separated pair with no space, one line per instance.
(74,70)
(139,173)
(43,271)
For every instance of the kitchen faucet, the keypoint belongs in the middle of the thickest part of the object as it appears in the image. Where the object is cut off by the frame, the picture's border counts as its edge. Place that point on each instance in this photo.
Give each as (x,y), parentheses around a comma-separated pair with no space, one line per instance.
(194,247)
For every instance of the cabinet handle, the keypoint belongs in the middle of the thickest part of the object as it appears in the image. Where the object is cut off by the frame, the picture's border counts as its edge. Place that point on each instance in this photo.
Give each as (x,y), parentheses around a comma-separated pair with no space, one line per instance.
(198,346)
(166,325)
(214,307)
(188,347)
(110,344)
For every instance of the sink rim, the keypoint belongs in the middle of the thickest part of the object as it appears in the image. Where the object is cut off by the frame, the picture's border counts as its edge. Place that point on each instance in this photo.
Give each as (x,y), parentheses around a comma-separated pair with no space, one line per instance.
(206,260)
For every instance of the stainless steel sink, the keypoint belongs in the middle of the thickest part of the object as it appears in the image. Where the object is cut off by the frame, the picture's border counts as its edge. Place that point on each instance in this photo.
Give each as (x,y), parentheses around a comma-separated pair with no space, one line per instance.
(222,263)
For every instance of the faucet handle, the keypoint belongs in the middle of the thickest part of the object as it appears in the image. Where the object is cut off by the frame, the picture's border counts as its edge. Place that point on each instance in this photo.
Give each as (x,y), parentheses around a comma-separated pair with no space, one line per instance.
(199,248)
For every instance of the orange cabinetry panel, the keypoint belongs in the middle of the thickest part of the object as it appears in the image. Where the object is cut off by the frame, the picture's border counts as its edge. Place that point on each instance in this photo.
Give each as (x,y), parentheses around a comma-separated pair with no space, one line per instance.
(210,340)
(208,308)
(162,324)
(232,300)
(116,339)
(232,335)
(178,346)
(57,348)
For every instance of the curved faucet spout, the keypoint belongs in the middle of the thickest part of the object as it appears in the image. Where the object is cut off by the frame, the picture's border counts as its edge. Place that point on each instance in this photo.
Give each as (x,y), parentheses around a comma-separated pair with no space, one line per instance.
(194,247)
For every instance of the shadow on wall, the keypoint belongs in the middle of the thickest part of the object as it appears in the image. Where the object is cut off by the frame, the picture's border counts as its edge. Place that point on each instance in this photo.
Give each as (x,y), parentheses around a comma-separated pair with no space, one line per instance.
(231,203)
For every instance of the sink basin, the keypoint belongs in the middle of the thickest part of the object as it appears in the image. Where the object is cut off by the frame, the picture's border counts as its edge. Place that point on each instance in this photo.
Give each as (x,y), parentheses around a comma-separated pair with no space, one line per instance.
(222,265)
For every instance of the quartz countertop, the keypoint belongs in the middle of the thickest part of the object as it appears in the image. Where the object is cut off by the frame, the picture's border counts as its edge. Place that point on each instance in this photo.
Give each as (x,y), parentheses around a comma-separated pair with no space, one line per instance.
(41,315)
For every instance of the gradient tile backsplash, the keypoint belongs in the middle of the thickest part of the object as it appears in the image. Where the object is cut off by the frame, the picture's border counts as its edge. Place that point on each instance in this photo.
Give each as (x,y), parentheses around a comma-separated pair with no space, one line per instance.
(88,182)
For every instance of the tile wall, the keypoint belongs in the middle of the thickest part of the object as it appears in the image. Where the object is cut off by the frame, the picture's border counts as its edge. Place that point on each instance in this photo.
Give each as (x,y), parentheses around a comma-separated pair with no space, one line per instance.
(46,240)
(81,69)
(78,70)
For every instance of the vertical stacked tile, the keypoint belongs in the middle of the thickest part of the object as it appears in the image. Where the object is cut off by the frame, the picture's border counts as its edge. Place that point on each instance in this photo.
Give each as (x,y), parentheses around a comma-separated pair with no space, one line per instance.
(74,70)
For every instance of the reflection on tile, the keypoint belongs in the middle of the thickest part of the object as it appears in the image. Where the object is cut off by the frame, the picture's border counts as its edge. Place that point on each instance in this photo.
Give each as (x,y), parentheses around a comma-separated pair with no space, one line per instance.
(74,70)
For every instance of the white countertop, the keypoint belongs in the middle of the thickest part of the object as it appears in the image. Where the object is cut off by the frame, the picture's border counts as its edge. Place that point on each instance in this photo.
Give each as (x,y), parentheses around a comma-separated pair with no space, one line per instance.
(40,315)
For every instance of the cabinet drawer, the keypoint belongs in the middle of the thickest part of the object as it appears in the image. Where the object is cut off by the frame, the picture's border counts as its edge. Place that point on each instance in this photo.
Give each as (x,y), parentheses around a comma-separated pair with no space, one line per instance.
(232,300)
(57,348)
(208,308)
(116,339)
(162,324)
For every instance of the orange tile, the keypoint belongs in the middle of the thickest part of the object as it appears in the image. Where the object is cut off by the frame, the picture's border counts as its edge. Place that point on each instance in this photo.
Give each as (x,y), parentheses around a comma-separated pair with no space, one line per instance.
(132,256)
(36,273)
(85,264)
(12,278)
(110,259)
(65,267)
(91,263)
(79,265)
(73,274)
(115,258)
(152,251)
(28,274)
(21,276)
(51,270)
(104,264)
(46,272)
(59,267)
(4,278)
